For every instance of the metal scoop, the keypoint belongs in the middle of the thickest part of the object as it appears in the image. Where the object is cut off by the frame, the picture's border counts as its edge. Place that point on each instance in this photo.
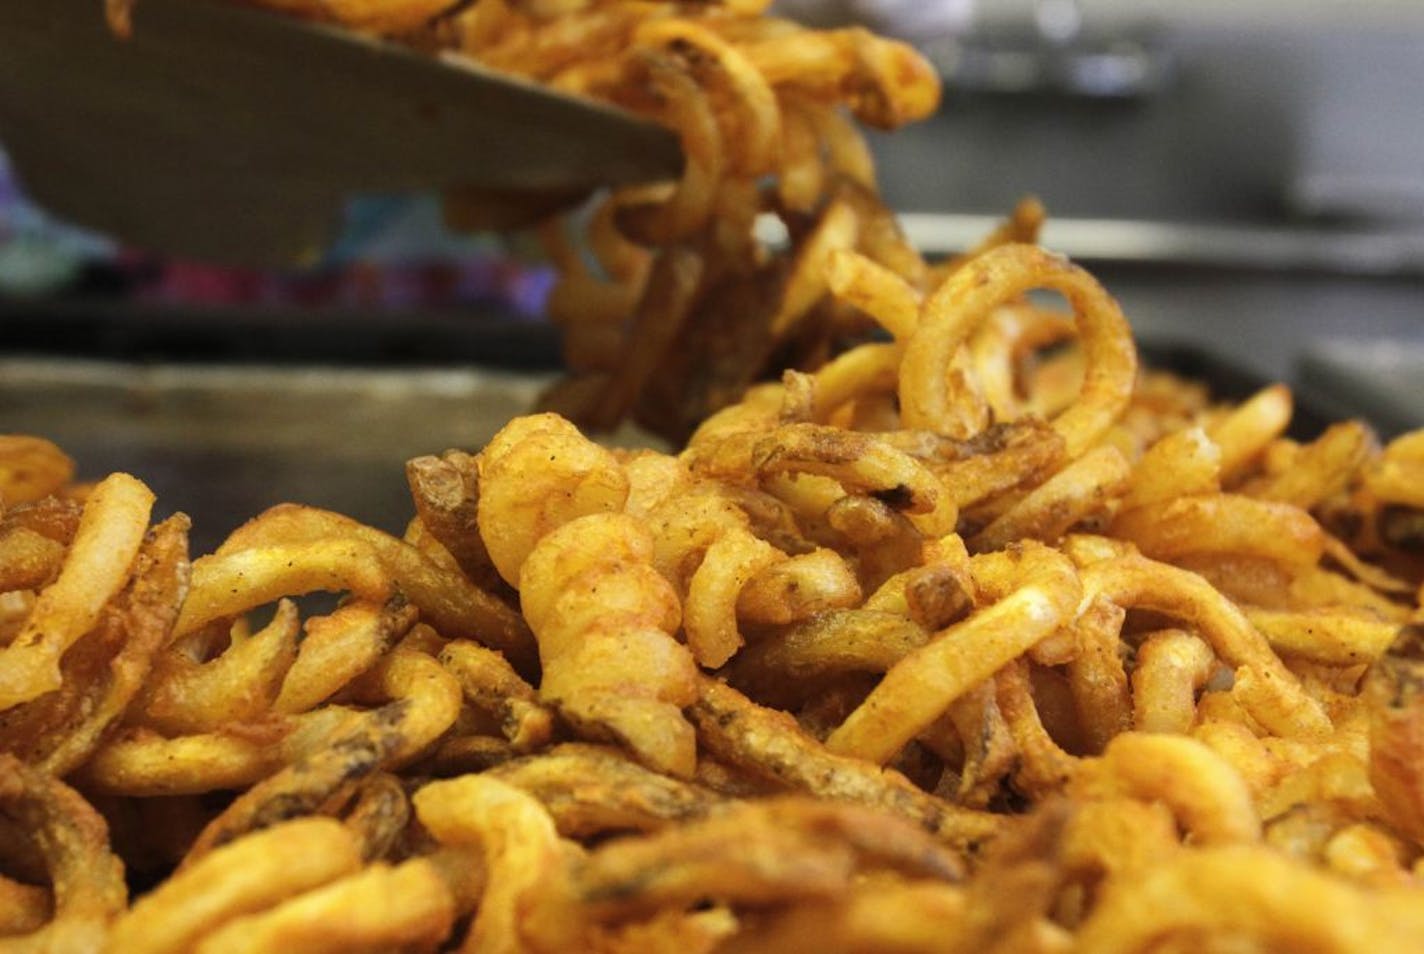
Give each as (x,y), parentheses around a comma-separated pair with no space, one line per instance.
(234,135)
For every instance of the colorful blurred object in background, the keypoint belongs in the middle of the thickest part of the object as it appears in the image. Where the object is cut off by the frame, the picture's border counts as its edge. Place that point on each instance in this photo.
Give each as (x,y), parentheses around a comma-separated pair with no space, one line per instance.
(393,254)
(39,255)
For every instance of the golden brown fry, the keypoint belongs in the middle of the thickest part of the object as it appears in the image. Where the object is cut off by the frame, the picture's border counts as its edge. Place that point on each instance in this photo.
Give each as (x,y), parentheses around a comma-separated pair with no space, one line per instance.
(1396,733)
(1393,478)
(911,917)
(424,703)
(140,762)
(1001,346)
(799,587)
(1001,458)
(1096,676)
(364,14)
(1223,523)
(1044,768)
(1335,637)
(1135,582)
(709,614)
(231,583)
(339,647)
(526,864)
(982,747)
(299,789)
(590,790)
(1038,589)
(376,909)
(450,603)
(1077,493)
(887,84)
(668,298)
(1243,434)
(95,569)
(86,878)
(378,815)
(885,542)
(604,619)
(1322,468)
(1183,463)
(756,852)
(857,461)
(240,685)
(1172,667)
(24,908)
(1210,800)
(1248,892)
(769,744)
(782,664)
(446,493)
(539,473)
(104,670)
(1119,836)
(875,290)
(248,875)
(31,468)
(28,560)
(998,276)
(491,685)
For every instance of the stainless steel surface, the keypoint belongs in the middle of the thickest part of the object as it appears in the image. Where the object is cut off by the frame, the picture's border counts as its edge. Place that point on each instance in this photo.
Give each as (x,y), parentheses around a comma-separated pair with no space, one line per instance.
(1254,113)
(1356,251)
(226,133)
(224,442)
(1381,380)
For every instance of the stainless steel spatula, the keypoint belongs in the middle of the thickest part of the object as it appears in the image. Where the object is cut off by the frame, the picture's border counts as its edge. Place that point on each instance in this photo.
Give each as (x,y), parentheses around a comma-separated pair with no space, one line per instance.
(231,134)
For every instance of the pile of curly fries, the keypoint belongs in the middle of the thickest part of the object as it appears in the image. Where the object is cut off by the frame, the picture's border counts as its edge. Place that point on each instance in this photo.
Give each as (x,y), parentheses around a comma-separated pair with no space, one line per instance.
(970,637)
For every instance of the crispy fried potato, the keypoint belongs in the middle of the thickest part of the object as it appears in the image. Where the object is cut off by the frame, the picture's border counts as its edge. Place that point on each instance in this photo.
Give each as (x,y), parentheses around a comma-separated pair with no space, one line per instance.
(497,737)
(537,474)
(491,685)
(526,863)
(1172,666)
(1397,731)
(1183,463)
(31,468)
(24,908)
(715,591)
(1247,892)
(446,492)
(240,685)
(376,909)
(86,878)
(1279,701)
(1039,589)
(104,670)
(450,603)
(590,790)
(95,570)
(247,875)
(1079,492)
(1243,435)
(754,853)
(1210,800)
(1223,523)
(604,619)
(769,744)
(997,276)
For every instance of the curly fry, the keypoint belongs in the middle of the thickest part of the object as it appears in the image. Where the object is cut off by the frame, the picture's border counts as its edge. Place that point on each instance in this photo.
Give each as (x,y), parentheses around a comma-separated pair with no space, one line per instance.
(604,618)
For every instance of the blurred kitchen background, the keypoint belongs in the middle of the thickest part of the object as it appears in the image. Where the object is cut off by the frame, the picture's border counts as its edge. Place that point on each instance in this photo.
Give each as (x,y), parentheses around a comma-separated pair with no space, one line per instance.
(1247,177)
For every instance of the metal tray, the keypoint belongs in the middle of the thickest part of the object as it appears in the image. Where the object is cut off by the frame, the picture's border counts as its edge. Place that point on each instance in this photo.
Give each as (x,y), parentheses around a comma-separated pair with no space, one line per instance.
(203,411)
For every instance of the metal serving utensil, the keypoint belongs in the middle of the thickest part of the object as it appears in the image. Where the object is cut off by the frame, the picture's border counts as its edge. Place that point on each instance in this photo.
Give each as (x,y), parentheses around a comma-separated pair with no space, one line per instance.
(231,134)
